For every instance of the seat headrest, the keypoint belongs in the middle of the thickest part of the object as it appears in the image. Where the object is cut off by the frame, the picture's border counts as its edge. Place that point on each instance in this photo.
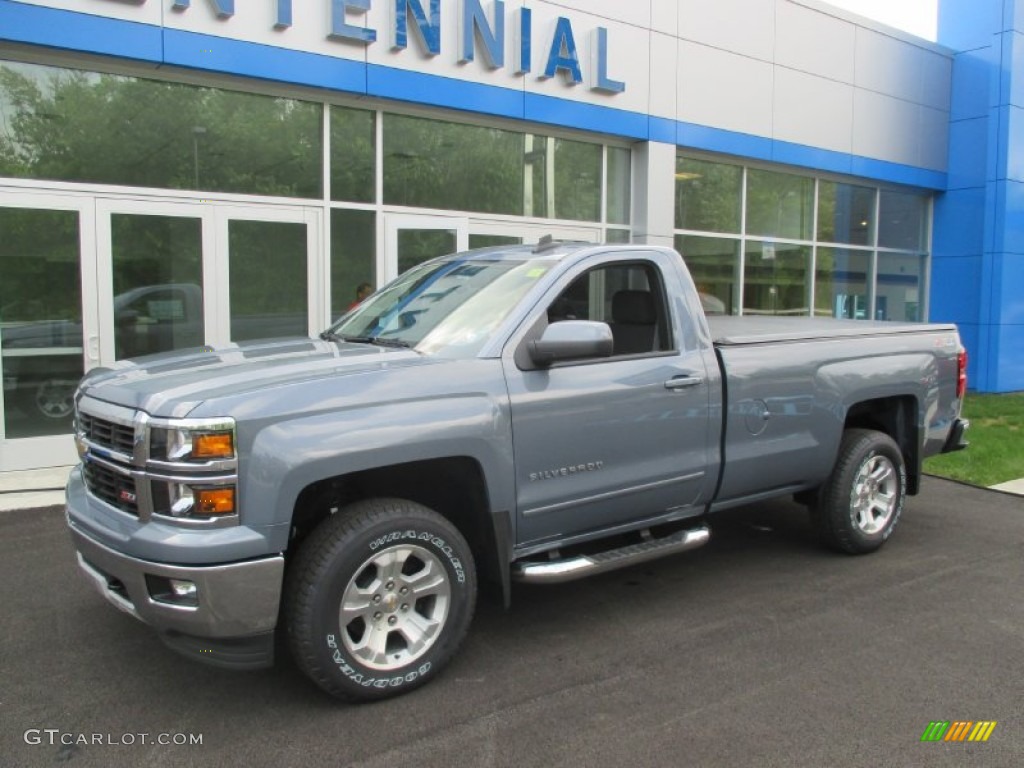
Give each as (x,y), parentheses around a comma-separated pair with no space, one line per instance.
(633,307)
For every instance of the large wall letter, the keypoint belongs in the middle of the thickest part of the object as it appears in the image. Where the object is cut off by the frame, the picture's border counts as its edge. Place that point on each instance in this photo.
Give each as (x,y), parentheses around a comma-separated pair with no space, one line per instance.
(342,30)
(428,29)
(525,30)
(284,14)
(563,53)
(475,20)
(224,9)
(600,48)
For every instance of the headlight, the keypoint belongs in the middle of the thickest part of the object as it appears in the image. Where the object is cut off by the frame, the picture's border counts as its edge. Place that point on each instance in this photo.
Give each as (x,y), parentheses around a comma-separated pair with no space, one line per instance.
(199,441)
(195,502)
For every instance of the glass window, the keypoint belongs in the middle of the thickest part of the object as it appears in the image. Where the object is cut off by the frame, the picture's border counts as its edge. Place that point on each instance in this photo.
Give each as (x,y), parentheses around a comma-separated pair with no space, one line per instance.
(714,265)
(841,281)
(708,195)
(563,179)
(626,296)
(158,283)
(490,241)
(40,320)
(775,278)
(846,213)
(69,125)
(780,205)
(902,220)
(353,155)
(616,236)
(267,279)
(448,166)
(618,192)
(900,287)
(353,258)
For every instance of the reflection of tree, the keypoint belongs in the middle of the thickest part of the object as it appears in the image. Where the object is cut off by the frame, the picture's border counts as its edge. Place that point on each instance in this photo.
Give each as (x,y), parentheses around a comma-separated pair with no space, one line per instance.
(708,196)
(39,268)
(434,164)
(77,126)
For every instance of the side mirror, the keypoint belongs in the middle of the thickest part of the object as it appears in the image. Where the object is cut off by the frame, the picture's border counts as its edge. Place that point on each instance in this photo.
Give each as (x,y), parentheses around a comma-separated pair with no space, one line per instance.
(572,340)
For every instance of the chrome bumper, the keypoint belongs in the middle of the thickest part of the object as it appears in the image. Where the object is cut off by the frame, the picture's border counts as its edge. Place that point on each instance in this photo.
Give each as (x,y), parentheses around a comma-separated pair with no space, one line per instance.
(232,601)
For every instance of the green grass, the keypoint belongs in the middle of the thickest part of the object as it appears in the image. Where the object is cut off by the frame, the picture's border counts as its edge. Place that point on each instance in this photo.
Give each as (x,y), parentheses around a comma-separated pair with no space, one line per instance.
(996,452)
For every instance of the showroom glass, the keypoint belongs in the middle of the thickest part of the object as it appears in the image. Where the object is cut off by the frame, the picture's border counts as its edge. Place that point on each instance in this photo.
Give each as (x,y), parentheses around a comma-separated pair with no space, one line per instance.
(158,283)
(418,245)
(267,279)
(902,220)
(619,182)
(901,287)
(708,195)
(40,320)
(353,154)
(841,281)
(714,265)
(775,278)
(846,213)
(69,125)
(353,256)
(450,166)
(780,205)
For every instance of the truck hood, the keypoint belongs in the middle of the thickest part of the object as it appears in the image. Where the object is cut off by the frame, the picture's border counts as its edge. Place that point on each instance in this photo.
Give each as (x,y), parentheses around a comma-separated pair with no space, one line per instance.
(174,384)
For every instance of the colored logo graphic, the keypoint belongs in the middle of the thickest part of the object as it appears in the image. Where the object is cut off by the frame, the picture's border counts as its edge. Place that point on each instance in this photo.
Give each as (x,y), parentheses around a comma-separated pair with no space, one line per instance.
(958,730)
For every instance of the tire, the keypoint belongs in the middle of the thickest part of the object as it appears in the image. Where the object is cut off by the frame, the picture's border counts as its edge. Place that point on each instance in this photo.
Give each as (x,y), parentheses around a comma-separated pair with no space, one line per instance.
(408,580)
(860,504)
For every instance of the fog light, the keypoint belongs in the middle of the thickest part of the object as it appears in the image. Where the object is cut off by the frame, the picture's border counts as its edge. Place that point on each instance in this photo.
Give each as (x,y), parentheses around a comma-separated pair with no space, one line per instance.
(184,589)
(214,501)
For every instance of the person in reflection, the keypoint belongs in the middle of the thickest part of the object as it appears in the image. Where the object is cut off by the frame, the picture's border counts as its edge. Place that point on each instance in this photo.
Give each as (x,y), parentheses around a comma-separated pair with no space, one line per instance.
(364,290)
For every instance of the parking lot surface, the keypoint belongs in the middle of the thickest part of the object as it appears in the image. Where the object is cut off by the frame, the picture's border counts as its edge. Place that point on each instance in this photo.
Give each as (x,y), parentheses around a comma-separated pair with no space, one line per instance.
(761,649)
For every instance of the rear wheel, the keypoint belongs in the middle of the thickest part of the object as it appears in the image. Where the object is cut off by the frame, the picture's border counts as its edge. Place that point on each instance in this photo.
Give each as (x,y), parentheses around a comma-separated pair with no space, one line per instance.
(860,504)
(379,599)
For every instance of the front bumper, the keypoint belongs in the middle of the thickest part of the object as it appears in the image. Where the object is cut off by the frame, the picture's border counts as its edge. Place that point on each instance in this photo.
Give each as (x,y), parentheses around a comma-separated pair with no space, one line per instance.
(235,612)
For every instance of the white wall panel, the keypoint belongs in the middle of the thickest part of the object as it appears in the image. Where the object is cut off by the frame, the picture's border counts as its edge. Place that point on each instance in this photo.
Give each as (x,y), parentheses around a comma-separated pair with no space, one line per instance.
(887,65)
(936,76)
(724,90)
(885,128)
(636,13)
(933,147)
(147,13)
(740,26)
(664,75)
(665,16)
(813,110)
(814,42)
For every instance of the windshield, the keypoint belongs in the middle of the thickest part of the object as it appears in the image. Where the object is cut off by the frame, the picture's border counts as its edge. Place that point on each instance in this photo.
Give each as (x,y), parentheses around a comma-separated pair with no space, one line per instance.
(447,307)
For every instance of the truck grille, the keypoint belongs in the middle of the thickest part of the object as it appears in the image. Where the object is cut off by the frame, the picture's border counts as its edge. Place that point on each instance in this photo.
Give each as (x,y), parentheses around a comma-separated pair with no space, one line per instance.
(109,434)
(113,487)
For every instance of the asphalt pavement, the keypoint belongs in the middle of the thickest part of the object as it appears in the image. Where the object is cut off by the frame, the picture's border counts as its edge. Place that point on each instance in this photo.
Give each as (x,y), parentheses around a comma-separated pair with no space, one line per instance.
(760,649)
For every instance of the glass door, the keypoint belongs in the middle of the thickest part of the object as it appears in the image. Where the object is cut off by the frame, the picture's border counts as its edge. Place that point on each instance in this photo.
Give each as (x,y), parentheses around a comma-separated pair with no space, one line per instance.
(412,239)
(47,324)
(483,233)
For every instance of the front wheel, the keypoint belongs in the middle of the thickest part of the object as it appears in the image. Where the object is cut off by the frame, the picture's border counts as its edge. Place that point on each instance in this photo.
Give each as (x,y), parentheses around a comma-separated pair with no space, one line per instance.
(379,599)
(862,500)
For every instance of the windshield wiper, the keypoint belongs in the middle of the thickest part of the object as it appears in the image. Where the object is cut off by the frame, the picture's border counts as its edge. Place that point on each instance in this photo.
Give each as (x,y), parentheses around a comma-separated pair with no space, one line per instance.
(332,336)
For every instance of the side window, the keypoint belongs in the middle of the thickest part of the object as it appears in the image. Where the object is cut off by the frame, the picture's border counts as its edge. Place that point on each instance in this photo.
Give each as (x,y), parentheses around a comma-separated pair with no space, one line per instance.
(629,297)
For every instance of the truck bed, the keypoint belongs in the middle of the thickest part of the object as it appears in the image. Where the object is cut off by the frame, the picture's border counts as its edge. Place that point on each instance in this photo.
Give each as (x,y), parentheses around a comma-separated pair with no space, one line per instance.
(756,329)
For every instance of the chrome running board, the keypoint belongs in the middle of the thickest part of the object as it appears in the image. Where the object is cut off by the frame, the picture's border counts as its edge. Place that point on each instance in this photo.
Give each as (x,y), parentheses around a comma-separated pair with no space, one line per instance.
(557,571)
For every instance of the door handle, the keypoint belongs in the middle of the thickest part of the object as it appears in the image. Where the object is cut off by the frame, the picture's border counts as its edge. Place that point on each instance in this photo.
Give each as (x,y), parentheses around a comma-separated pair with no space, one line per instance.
(684,381)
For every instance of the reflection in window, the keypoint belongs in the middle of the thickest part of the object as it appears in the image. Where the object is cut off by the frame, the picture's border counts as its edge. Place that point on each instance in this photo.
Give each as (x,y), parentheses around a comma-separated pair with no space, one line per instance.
(69,125)
(353,155)
(158,283)
(353,256)
(775,278)
(708,195)
(714,265)
(902,219)
(619,176)
(846,213)
(267,279)
(418,245)
(900,287)
(40,320)
(780,205)
(841,282)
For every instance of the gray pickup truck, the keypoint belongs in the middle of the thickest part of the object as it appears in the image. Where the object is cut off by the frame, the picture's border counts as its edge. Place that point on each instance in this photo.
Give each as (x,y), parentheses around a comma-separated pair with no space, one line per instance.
(520,413)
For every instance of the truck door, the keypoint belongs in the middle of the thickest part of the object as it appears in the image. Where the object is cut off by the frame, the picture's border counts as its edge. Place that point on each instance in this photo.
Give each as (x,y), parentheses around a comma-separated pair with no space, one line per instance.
(613,441)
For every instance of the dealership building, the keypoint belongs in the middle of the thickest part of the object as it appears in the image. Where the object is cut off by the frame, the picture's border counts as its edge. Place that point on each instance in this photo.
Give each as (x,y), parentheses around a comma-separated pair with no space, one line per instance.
(183,172)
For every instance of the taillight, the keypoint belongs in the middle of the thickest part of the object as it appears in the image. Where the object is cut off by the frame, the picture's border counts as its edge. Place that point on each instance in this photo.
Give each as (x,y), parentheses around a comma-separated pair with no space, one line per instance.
(961,374)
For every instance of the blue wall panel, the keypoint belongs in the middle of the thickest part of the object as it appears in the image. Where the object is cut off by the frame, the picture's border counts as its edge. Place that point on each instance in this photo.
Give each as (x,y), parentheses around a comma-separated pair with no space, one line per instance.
(959,228)
(972,73)
(956,288)
(968,24)
(967,163)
